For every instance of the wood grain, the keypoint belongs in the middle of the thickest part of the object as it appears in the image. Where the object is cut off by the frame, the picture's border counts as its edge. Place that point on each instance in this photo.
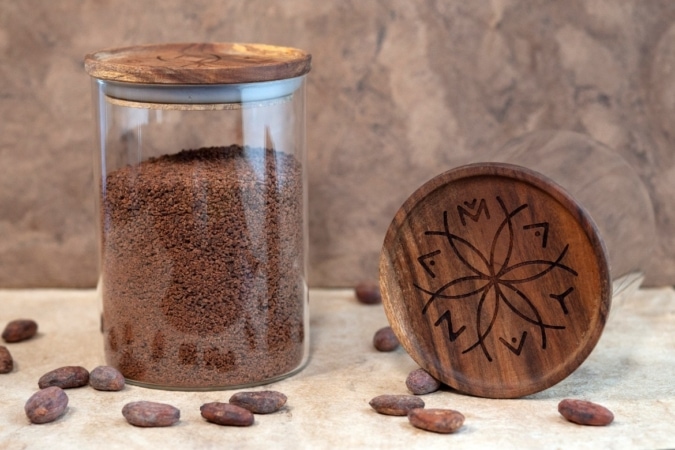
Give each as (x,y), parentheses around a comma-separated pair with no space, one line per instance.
(495,280)
(198,63)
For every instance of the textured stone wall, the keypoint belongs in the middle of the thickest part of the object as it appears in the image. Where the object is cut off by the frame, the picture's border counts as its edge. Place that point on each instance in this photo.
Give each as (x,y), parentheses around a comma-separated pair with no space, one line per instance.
(399,92)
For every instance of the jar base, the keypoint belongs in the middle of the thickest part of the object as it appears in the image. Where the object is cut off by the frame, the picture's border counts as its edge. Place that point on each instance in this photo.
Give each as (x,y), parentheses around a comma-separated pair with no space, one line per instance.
(219,388)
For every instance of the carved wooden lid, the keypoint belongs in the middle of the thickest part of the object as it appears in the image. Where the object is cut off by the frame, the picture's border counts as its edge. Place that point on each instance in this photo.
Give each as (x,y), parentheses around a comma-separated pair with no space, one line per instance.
(198,63)
(494,280)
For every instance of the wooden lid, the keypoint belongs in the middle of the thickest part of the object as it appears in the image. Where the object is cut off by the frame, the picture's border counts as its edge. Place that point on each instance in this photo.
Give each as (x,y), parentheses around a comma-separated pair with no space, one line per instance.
(495,280)
(198,63)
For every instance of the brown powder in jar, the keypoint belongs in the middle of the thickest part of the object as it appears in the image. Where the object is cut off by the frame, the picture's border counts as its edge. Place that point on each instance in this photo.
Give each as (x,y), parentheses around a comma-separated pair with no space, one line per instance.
(202,268)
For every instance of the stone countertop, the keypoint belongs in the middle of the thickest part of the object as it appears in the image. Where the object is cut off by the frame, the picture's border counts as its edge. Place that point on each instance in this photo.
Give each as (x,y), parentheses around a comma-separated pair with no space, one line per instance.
(631,371)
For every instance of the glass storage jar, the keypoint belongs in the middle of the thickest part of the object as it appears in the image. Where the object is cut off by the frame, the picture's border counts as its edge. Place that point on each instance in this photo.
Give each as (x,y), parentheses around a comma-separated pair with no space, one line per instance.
(498,276)
(201,190)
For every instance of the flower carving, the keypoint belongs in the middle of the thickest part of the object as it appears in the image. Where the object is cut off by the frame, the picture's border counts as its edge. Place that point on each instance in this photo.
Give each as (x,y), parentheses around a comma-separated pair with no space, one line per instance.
(492,280)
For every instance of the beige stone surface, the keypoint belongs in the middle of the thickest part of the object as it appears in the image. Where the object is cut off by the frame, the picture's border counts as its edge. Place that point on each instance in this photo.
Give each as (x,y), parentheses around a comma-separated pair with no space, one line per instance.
(399,92)
(630,372)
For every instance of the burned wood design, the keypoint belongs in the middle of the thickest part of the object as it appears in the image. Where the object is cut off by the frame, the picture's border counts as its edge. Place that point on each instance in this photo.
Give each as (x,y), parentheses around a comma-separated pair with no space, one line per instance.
(492,281)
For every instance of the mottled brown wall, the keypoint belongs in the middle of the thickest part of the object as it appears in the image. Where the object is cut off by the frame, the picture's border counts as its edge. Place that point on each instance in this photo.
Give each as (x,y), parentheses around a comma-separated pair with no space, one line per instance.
(399,92)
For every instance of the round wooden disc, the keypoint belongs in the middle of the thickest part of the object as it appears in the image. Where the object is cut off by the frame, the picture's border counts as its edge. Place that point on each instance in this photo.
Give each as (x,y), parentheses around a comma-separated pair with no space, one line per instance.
(198,63)
(495,280)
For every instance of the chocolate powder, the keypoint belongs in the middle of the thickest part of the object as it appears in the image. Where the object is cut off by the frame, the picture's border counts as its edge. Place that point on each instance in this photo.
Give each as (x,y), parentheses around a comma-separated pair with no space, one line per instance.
(202,268)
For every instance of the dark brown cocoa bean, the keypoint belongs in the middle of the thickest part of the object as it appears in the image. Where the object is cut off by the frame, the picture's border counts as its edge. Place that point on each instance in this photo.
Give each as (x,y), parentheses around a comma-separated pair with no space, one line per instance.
(368,293)
(396,405)
(150,414)
(46,405)
(226,414)
(6,361)
(65,377)
(420,382)
(436,420)
(584,412)
(19,330)
(106,378)
(385,340)
(260,402)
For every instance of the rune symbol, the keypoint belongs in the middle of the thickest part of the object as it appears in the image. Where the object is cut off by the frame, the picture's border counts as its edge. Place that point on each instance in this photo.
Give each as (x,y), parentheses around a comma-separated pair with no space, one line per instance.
(493,283)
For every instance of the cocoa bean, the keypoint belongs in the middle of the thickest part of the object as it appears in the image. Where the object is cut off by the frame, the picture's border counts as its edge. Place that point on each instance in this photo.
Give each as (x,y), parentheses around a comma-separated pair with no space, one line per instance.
(368,293)
(226,414)
(106,378)
(436,420)
(19,330)
(584,412)
(261,402)
(385,340)
(65,377)
(6,361)
(46,405)
(396,405)
(420,382)
(150,414)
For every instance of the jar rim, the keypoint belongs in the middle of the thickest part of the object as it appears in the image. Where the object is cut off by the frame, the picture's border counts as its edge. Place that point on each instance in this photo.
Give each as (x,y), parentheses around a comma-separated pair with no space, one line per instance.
(207,94)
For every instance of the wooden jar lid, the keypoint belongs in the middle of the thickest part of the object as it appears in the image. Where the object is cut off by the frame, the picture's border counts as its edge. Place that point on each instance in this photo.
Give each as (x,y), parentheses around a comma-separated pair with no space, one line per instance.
(495,280)
(198,63)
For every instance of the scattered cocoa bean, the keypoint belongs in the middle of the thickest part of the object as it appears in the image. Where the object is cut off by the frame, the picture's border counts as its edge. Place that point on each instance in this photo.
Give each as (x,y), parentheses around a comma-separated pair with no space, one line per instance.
(106,378)
(19,330)
(584,412)
(150,414)
(46,405)
(420,382)
(396,405)
(6,361)
(261,402)
(385,340)
(436,420)
(226,414)
(368,293)
(65,377)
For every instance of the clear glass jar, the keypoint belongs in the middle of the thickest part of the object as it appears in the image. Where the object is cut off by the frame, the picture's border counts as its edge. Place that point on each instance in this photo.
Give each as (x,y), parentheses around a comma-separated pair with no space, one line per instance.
(605,186)
(202,204)
(498,276)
